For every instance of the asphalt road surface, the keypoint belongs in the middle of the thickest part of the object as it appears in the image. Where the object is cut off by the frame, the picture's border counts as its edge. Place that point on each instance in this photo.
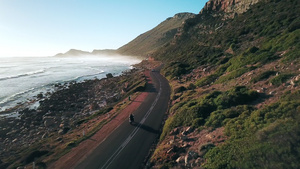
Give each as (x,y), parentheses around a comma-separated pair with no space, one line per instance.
(128,145)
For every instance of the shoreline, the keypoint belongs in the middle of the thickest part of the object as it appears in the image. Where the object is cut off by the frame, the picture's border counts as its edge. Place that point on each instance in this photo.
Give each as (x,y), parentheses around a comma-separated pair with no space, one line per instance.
(21,83)
(34,99)
(54,123)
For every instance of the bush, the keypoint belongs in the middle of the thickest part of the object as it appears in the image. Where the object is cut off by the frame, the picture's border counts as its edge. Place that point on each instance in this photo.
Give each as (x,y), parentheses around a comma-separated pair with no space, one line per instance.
(191,86)
(294,25)
(175,69)
(271,134)
(34,155)
(263,76)
(234,74)
(221,117)
(252,49)
(195,112)
(179,89)
(206,80)
(280,79)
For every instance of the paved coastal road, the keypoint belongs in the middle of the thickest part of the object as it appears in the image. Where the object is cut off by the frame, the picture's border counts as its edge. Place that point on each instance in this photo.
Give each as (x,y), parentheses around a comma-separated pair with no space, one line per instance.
(128,145)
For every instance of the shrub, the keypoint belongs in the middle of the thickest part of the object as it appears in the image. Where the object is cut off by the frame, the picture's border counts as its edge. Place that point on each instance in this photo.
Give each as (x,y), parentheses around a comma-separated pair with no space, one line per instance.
(234,74)
(179,89)
(191,86)
(198,122)
(195,112)
(294,25)
(280,79)
(175,69)
(252,49)
(33,155)
(221,117)
(271,134)
(263,76)
(236,96)
(206,80)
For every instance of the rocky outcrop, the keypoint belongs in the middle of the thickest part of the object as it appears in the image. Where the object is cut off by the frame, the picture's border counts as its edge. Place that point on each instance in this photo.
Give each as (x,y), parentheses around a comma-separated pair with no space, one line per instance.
(230,7)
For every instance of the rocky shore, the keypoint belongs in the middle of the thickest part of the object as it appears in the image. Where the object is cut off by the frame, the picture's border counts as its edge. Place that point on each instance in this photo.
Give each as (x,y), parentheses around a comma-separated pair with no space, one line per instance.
(61,112)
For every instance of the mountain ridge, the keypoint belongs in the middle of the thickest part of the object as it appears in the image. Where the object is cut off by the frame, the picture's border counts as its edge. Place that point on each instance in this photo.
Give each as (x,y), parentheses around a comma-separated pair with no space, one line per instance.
(230,7)
(146,43)
(76,52)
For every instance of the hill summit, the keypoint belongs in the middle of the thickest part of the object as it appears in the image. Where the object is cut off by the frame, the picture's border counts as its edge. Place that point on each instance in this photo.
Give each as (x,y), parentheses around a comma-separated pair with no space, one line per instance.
(157,37)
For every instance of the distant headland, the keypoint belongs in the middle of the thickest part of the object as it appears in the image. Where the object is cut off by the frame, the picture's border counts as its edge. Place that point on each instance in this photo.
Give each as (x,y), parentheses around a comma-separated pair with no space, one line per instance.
(76,52)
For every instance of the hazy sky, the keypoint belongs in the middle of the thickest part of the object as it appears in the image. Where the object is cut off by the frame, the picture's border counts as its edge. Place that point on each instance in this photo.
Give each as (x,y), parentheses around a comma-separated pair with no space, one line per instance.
(48,27)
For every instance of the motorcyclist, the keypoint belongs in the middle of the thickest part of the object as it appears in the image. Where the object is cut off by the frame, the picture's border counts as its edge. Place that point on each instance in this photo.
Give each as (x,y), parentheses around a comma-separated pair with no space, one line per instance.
(131,118)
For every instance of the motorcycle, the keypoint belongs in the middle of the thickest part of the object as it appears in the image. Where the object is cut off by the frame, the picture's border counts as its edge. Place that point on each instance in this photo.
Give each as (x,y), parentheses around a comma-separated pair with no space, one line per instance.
(131,119)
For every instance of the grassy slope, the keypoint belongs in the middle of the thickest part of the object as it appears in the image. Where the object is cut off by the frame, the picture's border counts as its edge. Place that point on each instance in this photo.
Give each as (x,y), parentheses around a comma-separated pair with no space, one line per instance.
(259,137)
(150,41)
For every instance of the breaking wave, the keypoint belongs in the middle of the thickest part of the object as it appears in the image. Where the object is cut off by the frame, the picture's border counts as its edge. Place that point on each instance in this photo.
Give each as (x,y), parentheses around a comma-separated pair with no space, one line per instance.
(23,74)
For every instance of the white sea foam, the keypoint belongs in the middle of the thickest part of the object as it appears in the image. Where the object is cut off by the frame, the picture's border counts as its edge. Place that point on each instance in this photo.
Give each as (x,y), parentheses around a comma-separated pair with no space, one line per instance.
(23,78)
(23,74)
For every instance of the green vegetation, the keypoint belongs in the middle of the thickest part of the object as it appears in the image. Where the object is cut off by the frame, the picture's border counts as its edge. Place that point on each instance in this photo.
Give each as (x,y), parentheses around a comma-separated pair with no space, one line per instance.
(234,74)
(257,138)
(266,138)
(220,118)
(263,76)
(207,80)
(263,37)
(282,78)
(195,112)
(176,69)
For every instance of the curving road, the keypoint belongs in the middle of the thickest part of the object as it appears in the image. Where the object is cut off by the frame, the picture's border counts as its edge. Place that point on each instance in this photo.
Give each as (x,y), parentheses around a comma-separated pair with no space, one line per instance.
(128,145)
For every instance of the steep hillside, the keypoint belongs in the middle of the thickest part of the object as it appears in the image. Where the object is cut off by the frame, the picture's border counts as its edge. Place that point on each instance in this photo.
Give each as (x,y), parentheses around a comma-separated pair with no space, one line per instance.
(150,41)
(235,88)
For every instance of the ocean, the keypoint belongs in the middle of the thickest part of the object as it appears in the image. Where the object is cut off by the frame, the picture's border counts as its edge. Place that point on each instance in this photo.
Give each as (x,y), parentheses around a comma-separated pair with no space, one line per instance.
(22,78)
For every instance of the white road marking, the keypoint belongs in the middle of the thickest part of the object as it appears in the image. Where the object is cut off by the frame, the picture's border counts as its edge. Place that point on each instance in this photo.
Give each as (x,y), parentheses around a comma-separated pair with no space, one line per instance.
(128,139)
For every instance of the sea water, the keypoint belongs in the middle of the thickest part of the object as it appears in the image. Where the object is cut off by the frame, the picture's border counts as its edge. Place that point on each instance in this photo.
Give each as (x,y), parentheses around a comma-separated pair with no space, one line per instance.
(22,78)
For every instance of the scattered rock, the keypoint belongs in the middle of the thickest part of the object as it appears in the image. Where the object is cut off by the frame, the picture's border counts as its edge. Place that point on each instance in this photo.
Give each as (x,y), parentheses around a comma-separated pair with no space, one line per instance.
(109,75)
(45,135)
(174,131)
(170,150)
(180,159)
(59,139)
(272,92)
(40,96)
(187,158)
(189,130)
